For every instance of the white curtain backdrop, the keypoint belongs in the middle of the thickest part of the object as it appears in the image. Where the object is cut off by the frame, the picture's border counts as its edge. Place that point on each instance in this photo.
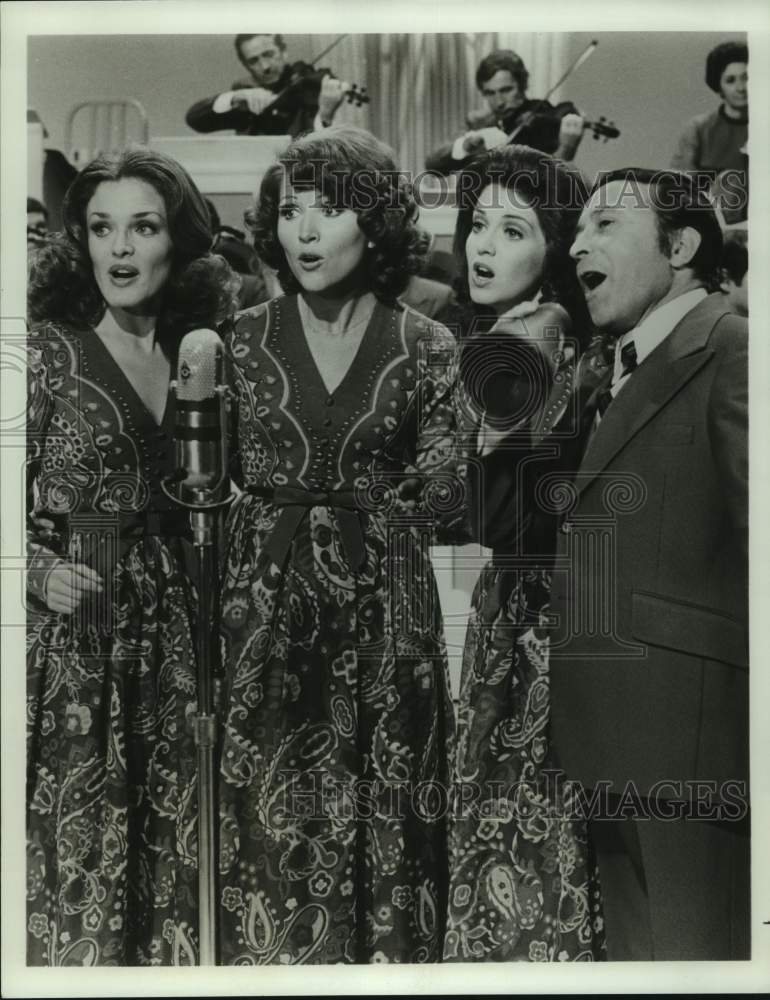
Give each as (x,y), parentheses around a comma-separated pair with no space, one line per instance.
(422,86)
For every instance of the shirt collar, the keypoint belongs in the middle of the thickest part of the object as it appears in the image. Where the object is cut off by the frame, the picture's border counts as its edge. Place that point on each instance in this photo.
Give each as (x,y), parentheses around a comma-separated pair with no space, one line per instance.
(654,329)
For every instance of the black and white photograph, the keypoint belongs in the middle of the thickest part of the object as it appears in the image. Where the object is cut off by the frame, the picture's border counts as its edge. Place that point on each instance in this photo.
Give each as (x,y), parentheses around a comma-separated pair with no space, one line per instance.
(379,398)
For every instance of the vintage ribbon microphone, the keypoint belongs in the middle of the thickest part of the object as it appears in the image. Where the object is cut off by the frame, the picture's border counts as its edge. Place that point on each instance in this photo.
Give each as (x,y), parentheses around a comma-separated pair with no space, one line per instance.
(201,484)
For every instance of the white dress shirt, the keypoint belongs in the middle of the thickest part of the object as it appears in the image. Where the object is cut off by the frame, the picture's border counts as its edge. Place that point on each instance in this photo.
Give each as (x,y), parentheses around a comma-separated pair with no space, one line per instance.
(652,331)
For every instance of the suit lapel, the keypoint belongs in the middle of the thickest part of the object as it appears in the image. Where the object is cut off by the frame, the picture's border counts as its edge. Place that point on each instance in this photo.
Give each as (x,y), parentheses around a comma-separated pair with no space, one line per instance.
(657,380)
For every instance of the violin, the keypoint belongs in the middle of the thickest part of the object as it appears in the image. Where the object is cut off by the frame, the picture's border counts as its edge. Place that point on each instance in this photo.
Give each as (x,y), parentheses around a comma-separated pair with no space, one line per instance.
(302,88)
(600,128)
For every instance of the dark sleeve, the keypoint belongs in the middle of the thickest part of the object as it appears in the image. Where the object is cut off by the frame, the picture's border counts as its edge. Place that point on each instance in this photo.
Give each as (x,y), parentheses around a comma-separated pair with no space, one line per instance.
(202,118)
(441,454)
(303,108)
(687,153)
(235,388)
(501,495)
(44,548)
(728,418)
(542,133)
(426,296)
(441,161)
(306,116)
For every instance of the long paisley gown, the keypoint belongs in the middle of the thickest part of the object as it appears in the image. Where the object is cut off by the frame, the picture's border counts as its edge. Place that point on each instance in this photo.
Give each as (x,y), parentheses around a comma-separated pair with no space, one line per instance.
(337,717)
(111,797)
(524,884)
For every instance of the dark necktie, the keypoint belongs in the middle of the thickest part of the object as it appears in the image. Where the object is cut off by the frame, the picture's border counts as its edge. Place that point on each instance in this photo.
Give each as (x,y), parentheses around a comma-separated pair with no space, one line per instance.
(628,361)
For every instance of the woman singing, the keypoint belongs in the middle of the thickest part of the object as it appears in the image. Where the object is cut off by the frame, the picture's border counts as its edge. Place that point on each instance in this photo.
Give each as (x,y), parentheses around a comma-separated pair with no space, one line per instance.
(333,846)
(111,809)
(519,884)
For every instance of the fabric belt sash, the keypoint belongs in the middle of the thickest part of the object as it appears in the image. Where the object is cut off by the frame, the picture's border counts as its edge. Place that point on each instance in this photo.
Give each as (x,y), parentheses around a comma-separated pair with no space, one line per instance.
(297,503)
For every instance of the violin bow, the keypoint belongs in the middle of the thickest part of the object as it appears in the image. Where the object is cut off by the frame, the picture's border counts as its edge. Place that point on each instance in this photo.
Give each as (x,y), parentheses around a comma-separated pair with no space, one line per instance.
(328,48)
(587,52)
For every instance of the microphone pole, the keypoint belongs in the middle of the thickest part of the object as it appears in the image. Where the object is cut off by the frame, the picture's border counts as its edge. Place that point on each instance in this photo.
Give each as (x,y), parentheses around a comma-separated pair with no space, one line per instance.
(201,485)
(204,531)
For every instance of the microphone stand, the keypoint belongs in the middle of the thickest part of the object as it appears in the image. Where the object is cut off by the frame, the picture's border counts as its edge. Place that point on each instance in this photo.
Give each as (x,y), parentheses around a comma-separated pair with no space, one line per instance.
(203,508)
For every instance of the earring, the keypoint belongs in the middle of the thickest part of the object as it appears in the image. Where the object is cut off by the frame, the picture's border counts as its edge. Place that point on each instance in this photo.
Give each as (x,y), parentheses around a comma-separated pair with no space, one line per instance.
(370,245)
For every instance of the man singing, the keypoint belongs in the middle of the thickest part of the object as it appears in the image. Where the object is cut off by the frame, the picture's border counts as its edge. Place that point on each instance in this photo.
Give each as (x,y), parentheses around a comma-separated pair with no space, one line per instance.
(649,662)
(502,81)
(243,107)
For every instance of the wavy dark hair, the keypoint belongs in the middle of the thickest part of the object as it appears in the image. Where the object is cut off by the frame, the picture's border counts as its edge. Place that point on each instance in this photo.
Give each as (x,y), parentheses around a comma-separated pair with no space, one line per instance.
(355,171)
(502,59)
(556,191)
(201,290)
(720,58)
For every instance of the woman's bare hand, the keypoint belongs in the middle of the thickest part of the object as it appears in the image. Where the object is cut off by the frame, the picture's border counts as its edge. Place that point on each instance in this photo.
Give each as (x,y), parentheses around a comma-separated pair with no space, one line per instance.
(68,584)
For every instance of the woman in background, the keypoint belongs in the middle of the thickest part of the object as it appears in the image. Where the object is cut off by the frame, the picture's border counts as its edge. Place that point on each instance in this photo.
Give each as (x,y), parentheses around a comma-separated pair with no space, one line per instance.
(111,808)
(338,709)
(519,885)
(717,141)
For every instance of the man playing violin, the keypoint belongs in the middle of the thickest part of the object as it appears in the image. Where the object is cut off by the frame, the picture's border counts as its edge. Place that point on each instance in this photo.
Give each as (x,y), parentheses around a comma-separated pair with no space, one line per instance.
(310,103)
(502,79)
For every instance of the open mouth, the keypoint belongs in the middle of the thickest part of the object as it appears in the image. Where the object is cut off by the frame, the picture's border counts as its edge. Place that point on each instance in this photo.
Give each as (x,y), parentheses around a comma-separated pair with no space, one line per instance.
(122,272)
(482,271)
(591,280)
(310,260)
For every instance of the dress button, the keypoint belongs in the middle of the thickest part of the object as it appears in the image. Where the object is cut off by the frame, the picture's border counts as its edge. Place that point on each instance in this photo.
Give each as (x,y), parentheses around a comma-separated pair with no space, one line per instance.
(327,422)
(330,401)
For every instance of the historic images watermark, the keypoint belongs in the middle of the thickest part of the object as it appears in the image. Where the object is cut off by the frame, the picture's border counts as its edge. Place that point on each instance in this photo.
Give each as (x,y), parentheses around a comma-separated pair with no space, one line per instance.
(316,795)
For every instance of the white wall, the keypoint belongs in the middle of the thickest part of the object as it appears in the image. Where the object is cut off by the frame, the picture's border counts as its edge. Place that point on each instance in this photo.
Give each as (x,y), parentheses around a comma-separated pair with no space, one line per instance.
(649,83)
(166,73)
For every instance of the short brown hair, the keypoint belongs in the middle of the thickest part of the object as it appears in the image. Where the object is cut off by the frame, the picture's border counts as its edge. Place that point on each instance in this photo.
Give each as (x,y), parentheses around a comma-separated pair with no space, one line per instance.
(356,171)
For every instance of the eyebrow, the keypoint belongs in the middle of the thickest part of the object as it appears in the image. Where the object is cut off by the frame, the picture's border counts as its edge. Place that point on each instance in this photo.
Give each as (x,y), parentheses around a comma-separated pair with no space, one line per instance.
(515,217)
(135,215)
(508,215)
(604,210)
(592,212)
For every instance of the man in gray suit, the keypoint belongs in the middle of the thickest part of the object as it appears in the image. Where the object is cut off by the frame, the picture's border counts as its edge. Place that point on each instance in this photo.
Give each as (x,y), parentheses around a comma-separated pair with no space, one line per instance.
(649,658)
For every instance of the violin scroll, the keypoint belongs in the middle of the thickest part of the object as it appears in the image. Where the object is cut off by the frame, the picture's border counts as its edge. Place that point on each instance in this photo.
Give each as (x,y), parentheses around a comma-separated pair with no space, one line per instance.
(603,129)
(357,95)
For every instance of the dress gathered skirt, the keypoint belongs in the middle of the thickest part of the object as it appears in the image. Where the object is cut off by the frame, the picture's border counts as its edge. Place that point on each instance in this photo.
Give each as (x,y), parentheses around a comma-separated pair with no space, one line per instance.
(523,879)
(111,774)
(337,719)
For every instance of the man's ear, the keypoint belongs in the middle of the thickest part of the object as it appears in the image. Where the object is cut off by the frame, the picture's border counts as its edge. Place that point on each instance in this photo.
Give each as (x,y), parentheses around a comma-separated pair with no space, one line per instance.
(684,246)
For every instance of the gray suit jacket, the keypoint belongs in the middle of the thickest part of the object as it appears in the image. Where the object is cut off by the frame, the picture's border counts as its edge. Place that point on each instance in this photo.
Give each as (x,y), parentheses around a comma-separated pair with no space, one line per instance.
(649,662)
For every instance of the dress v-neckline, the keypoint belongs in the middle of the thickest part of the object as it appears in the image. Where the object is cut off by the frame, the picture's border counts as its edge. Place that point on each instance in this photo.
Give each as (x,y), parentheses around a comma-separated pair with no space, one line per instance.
(359,353)
(117,370)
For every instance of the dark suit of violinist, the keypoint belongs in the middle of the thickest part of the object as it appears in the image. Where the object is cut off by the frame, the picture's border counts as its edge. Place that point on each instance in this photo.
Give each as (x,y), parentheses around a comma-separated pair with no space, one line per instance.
(502,80)
(309,105)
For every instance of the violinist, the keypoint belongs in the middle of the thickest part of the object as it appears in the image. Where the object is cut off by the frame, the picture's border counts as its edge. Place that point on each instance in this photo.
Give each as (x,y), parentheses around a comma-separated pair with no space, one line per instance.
(502,80)
(310,100)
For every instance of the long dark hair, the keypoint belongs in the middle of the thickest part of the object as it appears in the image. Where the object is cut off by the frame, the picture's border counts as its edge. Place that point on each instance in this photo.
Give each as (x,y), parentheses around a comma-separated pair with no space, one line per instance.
(556,192)
(201,288)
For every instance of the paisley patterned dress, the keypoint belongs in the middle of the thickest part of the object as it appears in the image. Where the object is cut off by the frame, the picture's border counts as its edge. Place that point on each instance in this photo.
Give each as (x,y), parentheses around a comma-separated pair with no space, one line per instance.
(338,722)
(111,796)
(524,885)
